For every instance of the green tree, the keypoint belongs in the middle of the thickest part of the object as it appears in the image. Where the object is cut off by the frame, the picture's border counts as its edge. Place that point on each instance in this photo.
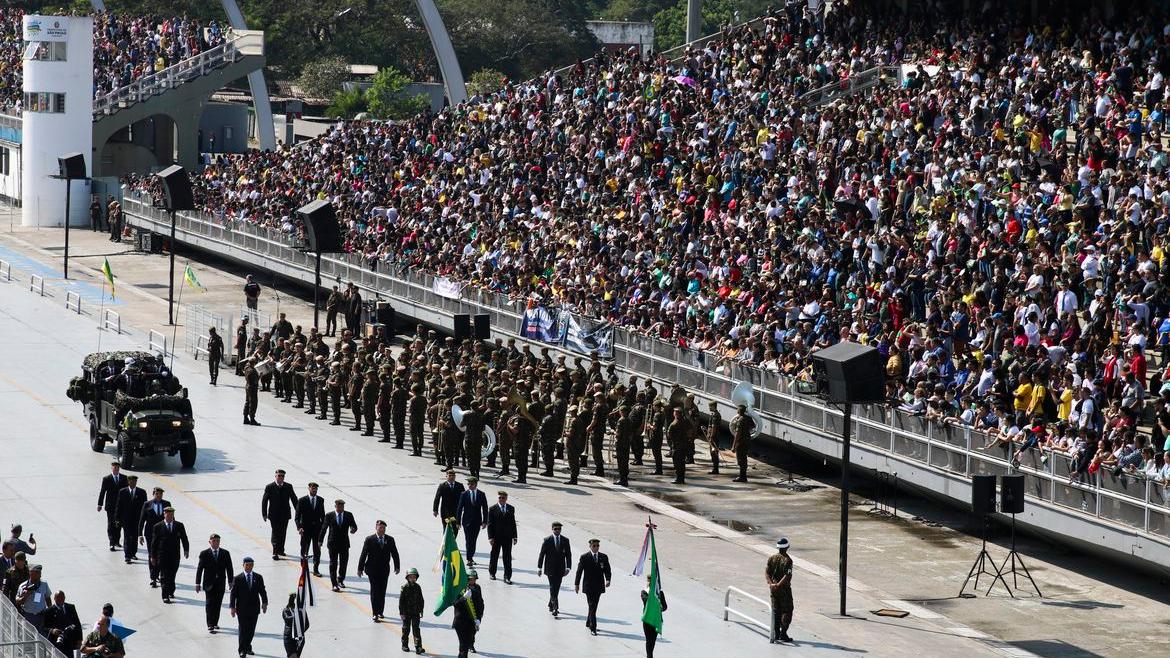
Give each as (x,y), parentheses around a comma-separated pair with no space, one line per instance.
(387,96)
(485,81)
(670,23)
(323,78)
(347,103)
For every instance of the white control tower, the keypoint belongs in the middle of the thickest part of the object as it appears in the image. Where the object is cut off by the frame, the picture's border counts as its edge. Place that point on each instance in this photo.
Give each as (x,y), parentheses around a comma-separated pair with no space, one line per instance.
(58,115)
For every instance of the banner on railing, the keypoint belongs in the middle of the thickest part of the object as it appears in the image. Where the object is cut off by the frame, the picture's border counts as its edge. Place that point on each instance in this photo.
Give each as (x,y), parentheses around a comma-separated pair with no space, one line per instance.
(445,287)
(541,324)
(589,336)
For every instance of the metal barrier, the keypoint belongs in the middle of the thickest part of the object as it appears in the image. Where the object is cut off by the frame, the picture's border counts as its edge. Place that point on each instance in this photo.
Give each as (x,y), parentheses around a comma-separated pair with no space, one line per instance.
(257,318)
(854,84)
(200,347)
(36,283)
(199,319)
(111,321)
(19,638)
(73,301)
(728,610)
(157,341)
(944,449)
(5,270)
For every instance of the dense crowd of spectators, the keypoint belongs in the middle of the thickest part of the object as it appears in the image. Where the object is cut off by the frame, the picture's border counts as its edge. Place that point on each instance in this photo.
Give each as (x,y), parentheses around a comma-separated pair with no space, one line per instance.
(995,223)
(125,48)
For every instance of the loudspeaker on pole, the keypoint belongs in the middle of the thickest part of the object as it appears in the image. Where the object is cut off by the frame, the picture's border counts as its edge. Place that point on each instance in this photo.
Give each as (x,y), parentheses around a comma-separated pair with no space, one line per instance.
(983,494)
(483,326)
(1011,494)
(462,326)
(321,227)
(177,185)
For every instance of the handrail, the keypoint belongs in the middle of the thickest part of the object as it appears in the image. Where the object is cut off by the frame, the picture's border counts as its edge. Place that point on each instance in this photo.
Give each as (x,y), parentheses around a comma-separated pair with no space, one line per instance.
(855,83)
(157,342)
(201,347)
(21,638)
(73,301)
(5,270)
(728,610)
(944,449)
(111,321)
(36,283)
(240,43)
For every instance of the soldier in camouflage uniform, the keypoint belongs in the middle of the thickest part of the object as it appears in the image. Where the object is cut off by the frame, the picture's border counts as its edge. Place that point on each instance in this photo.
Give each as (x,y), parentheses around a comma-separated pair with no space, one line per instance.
(579,437)
(336,385)
(473,424)
(742,427)
(677,434)
(638,419)
(369,401)
(714,419)
(385,392)
(551,426)
(601,411)
(655,430)
(398,401)
(623,436)
(410,610)
(417,406)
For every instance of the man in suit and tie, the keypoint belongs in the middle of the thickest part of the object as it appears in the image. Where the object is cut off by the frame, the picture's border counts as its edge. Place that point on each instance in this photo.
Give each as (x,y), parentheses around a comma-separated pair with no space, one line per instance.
(339,524)
(248,601)
(501,528)
(593,568)
(108,500)
(165,541)
(555,560)
(447,498)
(277,505)
(62,625)
(212,576)
(130,501)
(309,519)
(472,514)
(377,551)
(152,513)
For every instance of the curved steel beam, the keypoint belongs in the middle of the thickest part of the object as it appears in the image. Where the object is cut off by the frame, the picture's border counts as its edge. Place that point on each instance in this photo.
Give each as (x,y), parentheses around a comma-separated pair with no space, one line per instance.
(265,129)
(444,51)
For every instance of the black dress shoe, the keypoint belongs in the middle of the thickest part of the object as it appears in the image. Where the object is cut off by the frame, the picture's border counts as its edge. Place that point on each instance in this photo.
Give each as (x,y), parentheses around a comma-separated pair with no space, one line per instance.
(275,556)
(507,581)
(334,422)
(129,561)
(740,480)
(593,631)
(317,573)
(113,549)
(678,481)
(167,601)
(211,629)
(154,584)
(256,422)
(492,576)
(336,588)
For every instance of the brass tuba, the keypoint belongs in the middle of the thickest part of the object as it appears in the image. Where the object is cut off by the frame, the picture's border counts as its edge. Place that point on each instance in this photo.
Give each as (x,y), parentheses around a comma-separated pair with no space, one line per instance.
(518,402)
(744,393)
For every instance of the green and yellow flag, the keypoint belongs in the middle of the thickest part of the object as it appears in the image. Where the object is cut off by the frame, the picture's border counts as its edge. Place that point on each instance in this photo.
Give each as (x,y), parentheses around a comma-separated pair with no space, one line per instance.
(648,559)
(454,580)
(191,279)
(109,275)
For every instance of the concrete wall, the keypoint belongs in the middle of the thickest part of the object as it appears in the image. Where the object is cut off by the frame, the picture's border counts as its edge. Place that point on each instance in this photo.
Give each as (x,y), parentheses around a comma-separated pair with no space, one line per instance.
(620,35)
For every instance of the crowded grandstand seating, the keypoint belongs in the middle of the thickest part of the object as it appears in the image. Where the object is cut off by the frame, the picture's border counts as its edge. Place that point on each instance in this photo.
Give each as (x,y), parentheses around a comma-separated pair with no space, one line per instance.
(125,48)
(995,223)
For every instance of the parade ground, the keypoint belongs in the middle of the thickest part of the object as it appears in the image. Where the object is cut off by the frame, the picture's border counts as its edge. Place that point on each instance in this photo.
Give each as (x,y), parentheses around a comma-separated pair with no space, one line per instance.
(710,534)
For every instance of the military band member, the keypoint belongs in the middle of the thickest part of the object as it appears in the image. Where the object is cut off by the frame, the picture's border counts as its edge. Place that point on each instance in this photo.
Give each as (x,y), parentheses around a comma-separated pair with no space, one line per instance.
(714,419)
(742,427)
(417,406)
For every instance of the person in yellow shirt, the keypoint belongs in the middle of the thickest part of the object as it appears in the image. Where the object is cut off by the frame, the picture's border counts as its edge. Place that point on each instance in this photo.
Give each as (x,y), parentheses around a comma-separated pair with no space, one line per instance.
(1064,399)
(1036,403)
(1022,399)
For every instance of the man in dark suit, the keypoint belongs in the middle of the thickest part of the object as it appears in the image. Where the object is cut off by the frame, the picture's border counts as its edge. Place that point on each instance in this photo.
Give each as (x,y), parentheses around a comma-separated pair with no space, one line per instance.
(337,523)
(594,567)
(62,625)
(555,560)
(152,513)
(108,499)
(165,540)
(309,519)
(248,600)
(501,528)
(277,506)
(377,551)
(447,498)
(130,501)
(472,514)
(212,575)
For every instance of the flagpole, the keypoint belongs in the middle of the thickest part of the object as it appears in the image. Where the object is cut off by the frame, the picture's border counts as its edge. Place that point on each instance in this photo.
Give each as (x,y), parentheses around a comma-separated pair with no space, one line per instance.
(101,315)
(175,325)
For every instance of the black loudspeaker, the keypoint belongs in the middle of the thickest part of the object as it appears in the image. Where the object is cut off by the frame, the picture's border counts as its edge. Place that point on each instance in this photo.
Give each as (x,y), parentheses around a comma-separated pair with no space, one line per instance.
(384,314)
(983,494)
(462,326)
(1011,494)
(483,326)
(72,166)
(851,373)
(321,227)
(178,188)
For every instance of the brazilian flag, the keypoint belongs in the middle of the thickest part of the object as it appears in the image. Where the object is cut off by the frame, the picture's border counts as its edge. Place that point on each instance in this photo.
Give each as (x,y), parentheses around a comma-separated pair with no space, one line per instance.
(454,576)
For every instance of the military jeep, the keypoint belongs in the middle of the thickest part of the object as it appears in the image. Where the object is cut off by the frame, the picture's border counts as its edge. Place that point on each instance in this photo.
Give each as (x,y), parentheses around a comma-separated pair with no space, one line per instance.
(133,400)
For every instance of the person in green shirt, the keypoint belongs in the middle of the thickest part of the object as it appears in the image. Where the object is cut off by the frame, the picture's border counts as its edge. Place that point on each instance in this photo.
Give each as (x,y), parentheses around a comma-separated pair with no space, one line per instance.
(101,643)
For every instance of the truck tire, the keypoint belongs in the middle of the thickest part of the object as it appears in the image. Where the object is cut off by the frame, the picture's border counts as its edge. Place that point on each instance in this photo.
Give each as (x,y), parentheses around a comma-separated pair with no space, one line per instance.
(125,454)
(97,442)
(187,454)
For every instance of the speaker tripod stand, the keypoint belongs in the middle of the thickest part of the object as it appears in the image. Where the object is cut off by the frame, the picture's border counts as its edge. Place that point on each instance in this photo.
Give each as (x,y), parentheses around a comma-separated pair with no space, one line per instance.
(980,567)
(1010,564)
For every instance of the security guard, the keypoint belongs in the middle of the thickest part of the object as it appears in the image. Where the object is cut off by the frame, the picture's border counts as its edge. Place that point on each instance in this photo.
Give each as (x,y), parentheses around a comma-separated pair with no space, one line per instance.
(778,574)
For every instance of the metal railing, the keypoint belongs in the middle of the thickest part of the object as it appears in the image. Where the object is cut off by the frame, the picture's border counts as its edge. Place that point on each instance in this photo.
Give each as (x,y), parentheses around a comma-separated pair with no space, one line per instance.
(157,343)
(73,301)
(19,638)
(239,43)
(941,448)
(199,320)
(36,283)
(200,347)
(854,84)
(111,321)
(5,270)
(728,610)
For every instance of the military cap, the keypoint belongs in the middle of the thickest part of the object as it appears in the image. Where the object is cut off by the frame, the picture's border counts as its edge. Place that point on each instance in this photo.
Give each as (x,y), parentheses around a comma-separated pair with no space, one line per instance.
(312,484)
(280,471)
(594,541)
(249,560)
(712,405)
(449,470)
(115,463)
(472,479)
(169,509)
(214,536)
(20,555)
(502,494)
(132,478)
(339,502)
(35,567)
(158,490)
(412,572)
(472,574)
(556,524)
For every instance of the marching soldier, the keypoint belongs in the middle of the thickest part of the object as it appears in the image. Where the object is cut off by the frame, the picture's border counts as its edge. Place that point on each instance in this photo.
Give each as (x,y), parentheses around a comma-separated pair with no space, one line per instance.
(655,428)
(451,437)
(638,420)
(601,411)
(713,435)
(677,434)
(417,406)
(522,429)
(385,393)
(505,434)
(694,423)
(435,417)
(623,436)
(241,345)
(354,391)
(369,400)
(578,436)
(398,401)
(472,436)
(336,384)
(214,354)
(742,427)
(299,369)
(310,376)
(251,392)
(552,425)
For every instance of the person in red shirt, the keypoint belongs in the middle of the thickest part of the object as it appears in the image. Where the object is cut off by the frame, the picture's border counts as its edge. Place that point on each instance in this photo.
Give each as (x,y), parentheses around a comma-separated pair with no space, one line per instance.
(1137,364)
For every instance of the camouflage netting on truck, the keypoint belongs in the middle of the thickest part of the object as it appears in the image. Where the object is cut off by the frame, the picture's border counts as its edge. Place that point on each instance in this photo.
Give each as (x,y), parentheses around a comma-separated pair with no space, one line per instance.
(178,403)
(97,358)
(78,389)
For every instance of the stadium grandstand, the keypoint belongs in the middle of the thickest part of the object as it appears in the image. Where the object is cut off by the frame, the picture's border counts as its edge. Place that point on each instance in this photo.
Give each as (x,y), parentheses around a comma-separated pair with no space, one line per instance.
(995,222)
